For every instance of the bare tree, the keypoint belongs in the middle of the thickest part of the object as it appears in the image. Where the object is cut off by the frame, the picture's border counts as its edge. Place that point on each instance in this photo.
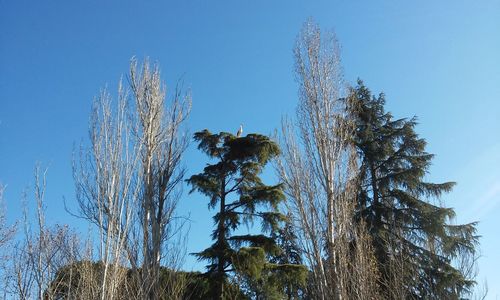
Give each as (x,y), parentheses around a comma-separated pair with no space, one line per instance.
(162,143)
(6,234)
(41,251)
(319,171)
(128,182)
(106,186)
(482,291)
(6,231)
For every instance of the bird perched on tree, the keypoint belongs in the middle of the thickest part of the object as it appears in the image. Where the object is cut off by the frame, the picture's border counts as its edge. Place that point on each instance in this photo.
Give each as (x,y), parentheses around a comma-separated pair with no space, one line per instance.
(240,131)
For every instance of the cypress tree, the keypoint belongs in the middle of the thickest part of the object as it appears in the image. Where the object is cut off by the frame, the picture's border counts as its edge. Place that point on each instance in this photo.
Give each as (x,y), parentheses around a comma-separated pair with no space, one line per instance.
(396,203)
(233,185)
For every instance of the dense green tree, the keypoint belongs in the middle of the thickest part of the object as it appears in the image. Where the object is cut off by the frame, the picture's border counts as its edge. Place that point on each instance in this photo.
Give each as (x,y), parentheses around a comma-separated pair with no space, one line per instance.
(286,238)
(233,185)
(412,233)
(284,277)
(80,280)
(198,286)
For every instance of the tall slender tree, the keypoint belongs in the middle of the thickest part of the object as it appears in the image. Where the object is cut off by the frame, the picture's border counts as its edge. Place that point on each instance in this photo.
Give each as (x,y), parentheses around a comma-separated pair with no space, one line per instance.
(128,181)
(414,240)
(319,171)
(235,189)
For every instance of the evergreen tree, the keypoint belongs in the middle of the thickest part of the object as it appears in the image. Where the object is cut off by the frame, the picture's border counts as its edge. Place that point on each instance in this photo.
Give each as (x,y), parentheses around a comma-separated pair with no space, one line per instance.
(286,238)
(233,185)
(409,230)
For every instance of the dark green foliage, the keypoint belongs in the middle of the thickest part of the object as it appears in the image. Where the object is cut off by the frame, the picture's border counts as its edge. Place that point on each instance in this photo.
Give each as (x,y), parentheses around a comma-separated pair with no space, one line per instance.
(277,281)
(85,277)
(284,276)
(74,280)
(395,201)
(293,282)
(199,287)
(68,279)
(233,185)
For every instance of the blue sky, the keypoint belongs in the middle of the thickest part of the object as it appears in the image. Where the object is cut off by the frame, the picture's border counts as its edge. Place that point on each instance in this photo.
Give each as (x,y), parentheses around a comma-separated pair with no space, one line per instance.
(439,60)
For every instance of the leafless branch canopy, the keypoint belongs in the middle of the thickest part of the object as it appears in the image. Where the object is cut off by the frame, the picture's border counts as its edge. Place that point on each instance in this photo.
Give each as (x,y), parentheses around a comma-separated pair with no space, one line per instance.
(128,181)
(319,170)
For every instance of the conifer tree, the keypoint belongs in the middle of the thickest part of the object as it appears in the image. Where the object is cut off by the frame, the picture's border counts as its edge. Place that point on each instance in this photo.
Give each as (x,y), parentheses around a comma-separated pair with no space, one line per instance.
(235,189)
(286,238)
(413,238)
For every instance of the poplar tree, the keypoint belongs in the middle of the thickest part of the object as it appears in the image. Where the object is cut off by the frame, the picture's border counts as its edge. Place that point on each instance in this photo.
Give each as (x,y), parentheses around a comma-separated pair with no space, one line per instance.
(415,243)
(236,191)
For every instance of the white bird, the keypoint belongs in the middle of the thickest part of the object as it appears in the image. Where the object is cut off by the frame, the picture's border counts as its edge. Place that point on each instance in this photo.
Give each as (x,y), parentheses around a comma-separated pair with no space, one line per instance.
(240,131)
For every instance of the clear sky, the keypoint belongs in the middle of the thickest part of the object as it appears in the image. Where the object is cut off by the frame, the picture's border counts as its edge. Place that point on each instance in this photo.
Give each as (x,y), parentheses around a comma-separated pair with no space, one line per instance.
(439,60)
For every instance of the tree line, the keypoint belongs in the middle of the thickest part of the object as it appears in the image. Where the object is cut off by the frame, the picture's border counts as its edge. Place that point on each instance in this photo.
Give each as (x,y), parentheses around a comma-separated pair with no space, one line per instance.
(350,216)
